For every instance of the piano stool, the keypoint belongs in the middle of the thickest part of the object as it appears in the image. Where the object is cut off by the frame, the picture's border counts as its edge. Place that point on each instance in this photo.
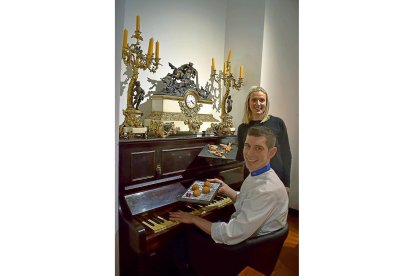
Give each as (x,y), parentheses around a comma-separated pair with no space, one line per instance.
(260,253)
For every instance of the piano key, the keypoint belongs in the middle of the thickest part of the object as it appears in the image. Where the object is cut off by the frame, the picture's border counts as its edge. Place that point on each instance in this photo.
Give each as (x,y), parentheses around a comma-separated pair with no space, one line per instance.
(148,222)
(156,227)
(165,216)
(148,225)
(157,220)
(155,224)
(187,208)
(191,208)
(160,220)
(169,223)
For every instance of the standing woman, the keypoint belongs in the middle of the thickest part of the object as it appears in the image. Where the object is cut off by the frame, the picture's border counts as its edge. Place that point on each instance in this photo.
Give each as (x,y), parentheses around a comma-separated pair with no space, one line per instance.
(256,112)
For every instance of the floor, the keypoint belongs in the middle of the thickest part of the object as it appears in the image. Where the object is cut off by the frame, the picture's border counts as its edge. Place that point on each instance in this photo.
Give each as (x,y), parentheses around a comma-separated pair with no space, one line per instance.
(288,262)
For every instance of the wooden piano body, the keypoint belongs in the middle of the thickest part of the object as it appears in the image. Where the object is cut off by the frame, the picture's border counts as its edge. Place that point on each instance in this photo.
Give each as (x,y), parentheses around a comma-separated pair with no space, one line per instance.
(152,173)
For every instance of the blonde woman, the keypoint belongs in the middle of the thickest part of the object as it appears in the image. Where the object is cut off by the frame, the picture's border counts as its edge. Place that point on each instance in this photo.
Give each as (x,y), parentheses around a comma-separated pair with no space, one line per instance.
(256,113)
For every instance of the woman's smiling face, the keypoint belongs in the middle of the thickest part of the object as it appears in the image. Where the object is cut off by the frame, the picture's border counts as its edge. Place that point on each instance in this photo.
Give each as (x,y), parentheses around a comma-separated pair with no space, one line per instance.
(257,105)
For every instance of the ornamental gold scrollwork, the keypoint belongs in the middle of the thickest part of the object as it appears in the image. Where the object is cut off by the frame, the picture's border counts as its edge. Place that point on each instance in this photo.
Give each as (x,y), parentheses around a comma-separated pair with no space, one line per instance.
(134,57)
(226,127)
(161,129)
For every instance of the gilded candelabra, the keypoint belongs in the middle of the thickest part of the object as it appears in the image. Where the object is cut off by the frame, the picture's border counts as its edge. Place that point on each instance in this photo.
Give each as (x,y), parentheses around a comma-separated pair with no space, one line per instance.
(226,127)
(133,56)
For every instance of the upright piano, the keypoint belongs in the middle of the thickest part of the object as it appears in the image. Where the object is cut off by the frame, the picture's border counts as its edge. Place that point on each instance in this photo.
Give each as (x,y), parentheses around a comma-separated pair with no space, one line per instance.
(152,174)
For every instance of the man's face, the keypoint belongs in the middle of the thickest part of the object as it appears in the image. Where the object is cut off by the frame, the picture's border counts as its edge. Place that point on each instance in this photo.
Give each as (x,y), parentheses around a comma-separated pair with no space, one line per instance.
(257,105)
(256,154)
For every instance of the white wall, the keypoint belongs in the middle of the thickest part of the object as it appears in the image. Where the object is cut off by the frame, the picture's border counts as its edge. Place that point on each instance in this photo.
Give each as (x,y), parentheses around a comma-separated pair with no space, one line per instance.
(188,30)
(244,35)
(280,75)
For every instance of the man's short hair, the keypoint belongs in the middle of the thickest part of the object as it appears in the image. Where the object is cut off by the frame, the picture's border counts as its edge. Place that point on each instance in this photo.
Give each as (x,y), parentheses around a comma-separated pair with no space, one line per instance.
(262,131)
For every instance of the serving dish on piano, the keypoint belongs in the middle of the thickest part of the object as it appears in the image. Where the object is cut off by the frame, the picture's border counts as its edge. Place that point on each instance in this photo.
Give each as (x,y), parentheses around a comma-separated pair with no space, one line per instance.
(228,151)
(196,193)
(153,175)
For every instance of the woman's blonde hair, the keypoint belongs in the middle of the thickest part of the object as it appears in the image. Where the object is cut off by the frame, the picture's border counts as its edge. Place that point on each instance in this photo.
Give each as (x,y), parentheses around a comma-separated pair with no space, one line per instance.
(247,117)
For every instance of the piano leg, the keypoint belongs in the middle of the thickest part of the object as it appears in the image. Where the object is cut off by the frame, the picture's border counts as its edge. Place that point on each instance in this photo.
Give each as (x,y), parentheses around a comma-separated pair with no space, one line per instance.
(128,259)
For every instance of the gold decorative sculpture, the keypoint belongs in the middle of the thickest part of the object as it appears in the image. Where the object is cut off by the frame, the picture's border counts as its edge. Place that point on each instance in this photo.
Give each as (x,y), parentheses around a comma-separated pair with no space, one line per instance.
(225,127)
(133,56)
(161,129)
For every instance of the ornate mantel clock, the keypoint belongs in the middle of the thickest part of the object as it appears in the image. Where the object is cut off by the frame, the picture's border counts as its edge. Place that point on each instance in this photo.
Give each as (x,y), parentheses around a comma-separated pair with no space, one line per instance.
(182,102)
(190,107)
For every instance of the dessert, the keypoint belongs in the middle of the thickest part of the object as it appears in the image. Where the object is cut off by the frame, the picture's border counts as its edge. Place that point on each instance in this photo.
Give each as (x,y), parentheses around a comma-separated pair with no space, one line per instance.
(196,193)
(206,190)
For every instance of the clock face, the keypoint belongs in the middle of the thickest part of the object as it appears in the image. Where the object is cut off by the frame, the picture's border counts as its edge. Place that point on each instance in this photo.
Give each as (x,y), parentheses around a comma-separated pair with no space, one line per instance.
(190,101)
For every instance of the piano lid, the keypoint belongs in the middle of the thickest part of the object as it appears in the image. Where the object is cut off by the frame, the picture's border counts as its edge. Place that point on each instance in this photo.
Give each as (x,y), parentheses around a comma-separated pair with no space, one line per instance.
(151,199)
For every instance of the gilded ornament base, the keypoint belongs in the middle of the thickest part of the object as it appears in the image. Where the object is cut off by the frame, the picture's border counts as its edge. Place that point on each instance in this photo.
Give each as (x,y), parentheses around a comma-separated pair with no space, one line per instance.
(224,128)
(133,125)
(161,129)
(204,120)
(178,116)
(193,124)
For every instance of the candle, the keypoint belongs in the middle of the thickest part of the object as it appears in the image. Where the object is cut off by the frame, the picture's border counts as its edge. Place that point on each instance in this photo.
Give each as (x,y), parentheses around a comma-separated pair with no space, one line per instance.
(150,47)
(241,71)
(229,56)
(137,23)
(157,50)
(213,64)
(125,38)
(224,68)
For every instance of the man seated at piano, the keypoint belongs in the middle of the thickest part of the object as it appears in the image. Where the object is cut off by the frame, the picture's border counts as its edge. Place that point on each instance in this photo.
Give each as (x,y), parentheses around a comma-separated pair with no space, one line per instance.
(261,204)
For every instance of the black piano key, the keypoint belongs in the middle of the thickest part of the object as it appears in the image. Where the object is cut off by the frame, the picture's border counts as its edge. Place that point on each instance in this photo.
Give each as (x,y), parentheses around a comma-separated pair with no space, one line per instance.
(149,222)
(165,216)
(146,226)
(189,208)
(162,218)
(157,220)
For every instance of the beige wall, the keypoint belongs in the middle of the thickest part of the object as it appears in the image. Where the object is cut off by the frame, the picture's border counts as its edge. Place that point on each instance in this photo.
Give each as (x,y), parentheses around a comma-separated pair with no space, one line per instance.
(280,75)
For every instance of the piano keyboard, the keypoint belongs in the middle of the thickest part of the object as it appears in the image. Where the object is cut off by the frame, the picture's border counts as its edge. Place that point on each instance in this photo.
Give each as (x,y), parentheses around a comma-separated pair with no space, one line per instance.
(160,223)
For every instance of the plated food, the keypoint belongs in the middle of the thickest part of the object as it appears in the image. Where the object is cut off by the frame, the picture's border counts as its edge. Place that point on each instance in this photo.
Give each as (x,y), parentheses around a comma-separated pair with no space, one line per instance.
(220,150)
(201,191)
